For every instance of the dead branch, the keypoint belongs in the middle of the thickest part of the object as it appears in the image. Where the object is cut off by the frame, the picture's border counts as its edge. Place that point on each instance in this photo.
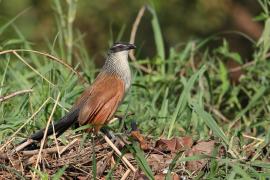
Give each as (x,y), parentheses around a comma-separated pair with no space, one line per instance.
(134,31)
(123,158)
(46,151)
(4,98)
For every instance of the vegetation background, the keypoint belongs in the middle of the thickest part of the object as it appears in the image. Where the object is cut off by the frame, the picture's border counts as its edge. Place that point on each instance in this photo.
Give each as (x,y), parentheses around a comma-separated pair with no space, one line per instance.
(201,69)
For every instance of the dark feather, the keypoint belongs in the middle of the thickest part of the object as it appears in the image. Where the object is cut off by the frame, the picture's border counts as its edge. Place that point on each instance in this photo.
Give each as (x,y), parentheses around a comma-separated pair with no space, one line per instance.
(63,124)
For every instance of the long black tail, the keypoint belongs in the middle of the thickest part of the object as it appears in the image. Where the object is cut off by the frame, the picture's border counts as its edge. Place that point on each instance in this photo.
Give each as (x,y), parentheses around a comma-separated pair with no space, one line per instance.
(59,127)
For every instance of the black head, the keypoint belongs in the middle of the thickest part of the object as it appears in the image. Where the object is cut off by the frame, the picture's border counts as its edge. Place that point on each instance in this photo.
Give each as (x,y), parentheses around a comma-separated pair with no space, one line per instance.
(121,46)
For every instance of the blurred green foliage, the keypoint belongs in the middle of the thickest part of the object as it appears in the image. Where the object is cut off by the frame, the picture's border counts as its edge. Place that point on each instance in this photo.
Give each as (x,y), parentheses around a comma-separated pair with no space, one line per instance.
(100,21)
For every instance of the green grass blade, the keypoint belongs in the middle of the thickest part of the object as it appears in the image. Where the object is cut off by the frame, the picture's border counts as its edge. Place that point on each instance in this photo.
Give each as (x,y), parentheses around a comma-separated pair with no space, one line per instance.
(172,165)
(264,41)
(252,101)
(210,122)
(158,38)
(41,175)
(241,172)
(94,160)
(260,164)
(157,34)
(110,173)
(193,158)
(5,26)
(183,99)
(59,173)
(139,157)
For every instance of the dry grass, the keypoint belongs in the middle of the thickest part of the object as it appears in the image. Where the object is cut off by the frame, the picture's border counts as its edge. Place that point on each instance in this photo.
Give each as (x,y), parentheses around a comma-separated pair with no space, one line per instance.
(77,159)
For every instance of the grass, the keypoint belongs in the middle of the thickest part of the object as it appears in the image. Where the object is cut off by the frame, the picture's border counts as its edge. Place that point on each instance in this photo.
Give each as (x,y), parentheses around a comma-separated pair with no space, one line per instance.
(177,99)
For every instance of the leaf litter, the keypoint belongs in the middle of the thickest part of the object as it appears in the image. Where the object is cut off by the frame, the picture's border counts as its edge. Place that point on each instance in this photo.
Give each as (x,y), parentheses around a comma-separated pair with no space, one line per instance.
(77,159)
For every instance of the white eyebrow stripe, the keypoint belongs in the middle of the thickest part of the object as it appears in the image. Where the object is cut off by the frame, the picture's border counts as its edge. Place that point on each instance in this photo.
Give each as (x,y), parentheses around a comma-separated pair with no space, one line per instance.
(118,45)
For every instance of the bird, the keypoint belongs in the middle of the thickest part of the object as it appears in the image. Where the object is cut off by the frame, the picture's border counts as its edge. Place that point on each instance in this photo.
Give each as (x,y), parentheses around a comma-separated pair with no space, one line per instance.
(99,101)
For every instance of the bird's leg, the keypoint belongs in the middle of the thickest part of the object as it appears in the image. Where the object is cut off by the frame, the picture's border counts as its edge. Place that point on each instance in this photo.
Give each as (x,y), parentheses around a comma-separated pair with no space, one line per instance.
(108,133)
(134,126)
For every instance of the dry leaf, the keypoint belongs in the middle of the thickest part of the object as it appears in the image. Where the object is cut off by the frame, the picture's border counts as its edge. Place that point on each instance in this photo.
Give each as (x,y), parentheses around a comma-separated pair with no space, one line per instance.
(162,177)
(137,136)
(198,149)
(183,143)
(174,144)
(156,162)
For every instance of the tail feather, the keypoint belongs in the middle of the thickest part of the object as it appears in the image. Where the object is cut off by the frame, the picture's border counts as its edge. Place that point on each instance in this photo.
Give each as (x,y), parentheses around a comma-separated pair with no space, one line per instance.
(60,127)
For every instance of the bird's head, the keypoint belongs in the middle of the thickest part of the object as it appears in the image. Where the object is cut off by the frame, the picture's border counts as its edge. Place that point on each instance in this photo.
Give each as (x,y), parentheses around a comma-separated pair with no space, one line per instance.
(117,61)
(121,46)
(121,49)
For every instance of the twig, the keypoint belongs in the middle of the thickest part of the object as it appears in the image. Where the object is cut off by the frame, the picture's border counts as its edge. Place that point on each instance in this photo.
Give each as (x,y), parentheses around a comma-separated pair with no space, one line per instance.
(238,68)
(251,145)
(3,98)
(113,120)
(134,31)
(250,63)
(26,122)
(68,146)
(33,69)
(30,141)
(23,145)
(144,69)
(254,138)
(80,169)
(218,113)
(124,177)
(55,138)
(132,40)
(48,151)
(123,158)
(46,130)
(59,104)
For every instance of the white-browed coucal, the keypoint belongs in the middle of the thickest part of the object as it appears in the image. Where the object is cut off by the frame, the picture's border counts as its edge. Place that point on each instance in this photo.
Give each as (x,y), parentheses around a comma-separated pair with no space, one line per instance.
(99,102)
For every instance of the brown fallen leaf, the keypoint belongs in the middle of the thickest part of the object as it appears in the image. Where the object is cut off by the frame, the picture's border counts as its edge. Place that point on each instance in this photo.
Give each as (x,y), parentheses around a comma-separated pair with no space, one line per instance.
(157,162)
(162,177)
(137,136)
(175,144)
(202,147)
(184,143)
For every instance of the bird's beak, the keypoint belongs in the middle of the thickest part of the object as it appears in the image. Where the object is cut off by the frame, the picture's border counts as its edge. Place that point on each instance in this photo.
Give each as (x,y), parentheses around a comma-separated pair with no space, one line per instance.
(131,46)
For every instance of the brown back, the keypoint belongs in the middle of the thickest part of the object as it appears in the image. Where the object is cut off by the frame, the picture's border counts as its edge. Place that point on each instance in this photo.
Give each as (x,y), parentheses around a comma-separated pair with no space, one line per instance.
(100,101)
